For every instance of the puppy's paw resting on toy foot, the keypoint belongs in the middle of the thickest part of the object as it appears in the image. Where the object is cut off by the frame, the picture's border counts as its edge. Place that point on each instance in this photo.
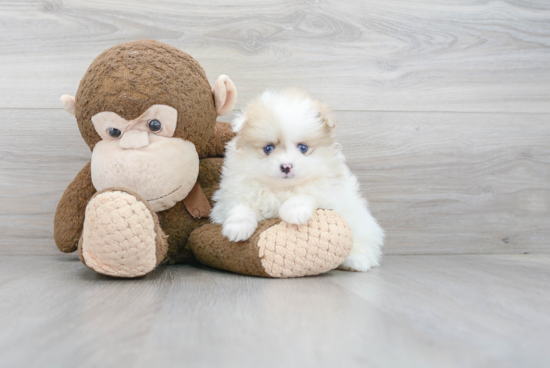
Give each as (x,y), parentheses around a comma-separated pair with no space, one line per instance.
(121,236)
(240,224)
(297,210)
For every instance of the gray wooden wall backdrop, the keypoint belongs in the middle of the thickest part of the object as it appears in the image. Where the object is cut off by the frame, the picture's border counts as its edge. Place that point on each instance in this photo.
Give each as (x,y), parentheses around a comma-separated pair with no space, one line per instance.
(443,106)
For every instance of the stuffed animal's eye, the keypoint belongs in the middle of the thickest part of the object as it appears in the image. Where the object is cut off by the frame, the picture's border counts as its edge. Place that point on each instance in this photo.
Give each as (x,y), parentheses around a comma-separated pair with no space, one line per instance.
(155,125)
(114,132)
(268,149)
(303,148)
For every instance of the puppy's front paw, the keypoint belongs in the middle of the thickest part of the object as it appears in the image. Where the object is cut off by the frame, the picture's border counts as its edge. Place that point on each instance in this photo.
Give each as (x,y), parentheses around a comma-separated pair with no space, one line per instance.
(239,229)
(357,263)
(295,214)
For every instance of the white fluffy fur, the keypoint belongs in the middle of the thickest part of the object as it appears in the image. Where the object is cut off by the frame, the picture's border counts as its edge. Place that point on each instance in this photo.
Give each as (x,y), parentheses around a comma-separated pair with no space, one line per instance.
(254,188)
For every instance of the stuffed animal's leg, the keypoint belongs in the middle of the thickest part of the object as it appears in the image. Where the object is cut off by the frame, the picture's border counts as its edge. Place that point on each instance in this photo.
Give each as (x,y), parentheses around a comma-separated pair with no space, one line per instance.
(278,249)
(121,235)
(69,216)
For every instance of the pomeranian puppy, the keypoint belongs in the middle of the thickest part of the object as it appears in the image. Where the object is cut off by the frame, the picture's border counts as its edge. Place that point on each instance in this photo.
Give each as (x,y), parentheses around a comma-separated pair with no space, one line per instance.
(284,162)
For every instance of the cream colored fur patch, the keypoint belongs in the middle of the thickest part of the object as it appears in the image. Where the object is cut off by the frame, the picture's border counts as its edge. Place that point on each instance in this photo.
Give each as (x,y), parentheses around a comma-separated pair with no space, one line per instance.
(118,238)
(317,247)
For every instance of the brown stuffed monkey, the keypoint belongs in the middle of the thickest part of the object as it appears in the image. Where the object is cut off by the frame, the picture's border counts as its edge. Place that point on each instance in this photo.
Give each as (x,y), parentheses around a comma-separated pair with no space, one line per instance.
(148,113)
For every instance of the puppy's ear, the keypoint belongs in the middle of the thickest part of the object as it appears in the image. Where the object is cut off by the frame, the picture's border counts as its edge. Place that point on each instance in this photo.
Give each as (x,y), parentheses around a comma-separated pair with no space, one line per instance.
(68,102)
(326,116)
(238,122)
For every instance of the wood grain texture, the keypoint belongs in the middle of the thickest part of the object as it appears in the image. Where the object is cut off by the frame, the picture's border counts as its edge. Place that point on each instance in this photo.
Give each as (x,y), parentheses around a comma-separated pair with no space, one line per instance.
(414,311)
(36,165)
(439,183)
(454,183)
(359,55)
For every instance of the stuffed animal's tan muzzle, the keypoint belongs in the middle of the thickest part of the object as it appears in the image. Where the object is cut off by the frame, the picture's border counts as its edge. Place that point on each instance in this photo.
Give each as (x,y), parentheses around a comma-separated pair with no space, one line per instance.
(161,170)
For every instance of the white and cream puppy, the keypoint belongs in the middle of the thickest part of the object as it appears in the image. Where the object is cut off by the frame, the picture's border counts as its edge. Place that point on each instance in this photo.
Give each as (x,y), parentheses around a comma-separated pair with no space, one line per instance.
(284,162)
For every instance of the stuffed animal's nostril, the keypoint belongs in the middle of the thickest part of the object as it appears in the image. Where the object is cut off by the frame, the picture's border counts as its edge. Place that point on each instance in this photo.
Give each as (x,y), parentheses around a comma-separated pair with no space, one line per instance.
(286,168)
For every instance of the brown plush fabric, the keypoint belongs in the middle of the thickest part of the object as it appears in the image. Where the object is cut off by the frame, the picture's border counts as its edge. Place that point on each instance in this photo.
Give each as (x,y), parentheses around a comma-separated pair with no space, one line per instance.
(178,224)
(213,249)
(210,171)
(69,216)
(131,77)
(222,134)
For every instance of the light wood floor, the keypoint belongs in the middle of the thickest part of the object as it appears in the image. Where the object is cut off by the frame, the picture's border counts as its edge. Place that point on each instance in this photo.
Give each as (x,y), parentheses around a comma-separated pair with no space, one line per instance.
(414,311)
(443,111)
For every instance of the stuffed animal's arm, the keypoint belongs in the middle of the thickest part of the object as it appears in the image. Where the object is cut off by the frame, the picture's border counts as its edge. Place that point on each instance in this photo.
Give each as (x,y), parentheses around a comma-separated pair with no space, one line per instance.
(69,216)
(222,134)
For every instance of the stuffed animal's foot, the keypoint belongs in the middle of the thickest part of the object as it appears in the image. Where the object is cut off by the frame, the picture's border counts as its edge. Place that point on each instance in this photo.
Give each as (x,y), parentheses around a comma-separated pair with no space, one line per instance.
(278,249)
(121,235)
(319,246)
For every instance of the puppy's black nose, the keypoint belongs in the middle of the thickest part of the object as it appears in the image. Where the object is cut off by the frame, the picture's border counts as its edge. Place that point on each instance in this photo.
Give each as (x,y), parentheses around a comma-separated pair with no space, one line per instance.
(286,168)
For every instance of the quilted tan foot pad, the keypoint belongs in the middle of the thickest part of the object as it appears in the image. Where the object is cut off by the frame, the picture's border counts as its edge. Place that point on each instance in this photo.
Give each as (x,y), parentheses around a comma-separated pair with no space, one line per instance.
(317,247)
(119,237)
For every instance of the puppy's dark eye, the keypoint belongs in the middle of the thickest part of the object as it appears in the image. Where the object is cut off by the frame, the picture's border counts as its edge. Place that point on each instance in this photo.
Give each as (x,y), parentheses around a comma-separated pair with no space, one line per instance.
(303,148)
(268,149)
(114,132)
(155,125)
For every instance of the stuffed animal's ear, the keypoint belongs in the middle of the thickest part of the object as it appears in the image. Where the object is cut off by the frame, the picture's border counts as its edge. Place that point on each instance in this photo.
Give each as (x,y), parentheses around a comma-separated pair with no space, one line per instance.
(68,104)
(225,95)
